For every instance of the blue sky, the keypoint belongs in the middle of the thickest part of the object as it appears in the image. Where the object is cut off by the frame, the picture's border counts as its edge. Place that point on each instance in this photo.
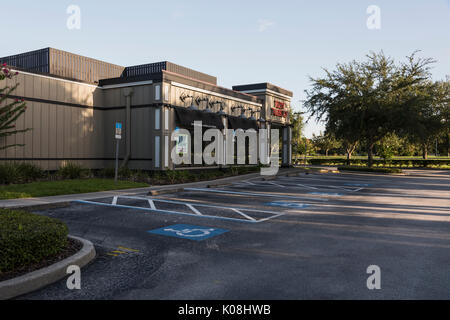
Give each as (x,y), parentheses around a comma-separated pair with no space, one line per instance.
(239,42)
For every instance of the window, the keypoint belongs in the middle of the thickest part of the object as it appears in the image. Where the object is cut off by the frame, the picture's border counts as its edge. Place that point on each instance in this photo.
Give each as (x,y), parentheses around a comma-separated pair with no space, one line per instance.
(157,150)
(158,92)
(157,119)
(166,93)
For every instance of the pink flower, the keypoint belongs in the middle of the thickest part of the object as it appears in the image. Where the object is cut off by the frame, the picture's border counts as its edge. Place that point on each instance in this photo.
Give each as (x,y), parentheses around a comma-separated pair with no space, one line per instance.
(5,71)
(17,72)
(4,64)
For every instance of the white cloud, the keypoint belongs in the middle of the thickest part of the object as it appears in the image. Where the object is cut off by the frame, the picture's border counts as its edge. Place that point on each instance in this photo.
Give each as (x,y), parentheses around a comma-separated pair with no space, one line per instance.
(264,24)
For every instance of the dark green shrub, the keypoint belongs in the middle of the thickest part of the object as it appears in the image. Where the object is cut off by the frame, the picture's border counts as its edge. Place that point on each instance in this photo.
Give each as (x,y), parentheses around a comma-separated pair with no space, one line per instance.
(367,169)
(71,171)
(29,172)
(125,173)
(27,238)
(19,173)
(107,173)
(140,176)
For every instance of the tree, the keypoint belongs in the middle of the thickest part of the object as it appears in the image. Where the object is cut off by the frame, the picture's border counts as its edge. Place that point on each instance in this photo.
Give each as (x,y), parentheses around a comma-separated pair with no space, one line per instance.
(427,120)
(326,142)
(9,111)
(363,101)
(297,126)
(388,146)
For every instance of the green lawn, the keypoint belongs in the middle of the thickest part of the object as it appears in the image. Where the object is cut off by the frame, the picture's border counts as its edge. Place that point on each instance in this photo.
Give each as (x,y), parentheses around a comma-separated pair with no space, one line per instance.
(54,188)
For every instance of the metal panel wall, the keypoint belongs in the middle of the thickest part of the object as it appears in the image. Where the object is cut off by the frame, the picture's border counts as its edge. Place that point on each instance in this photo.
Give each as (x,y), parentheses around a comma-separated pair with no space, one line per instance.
(81,68)
(60,132)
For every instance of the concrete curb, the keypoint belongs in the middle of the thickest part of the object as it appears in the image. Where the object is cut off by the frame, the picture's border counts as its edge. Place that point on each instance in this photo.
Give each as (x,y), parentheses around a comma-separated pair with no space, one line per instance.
(40,278)
(44,206)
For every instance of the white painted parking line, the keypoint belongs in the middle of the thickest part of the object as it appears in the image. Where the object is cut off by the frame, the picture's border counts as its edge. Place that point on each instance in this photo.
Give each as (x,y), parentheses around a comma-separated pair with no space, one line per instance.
(150,202)
(194,207)
(276,184)
(254,194)
(242,214)
(306,186)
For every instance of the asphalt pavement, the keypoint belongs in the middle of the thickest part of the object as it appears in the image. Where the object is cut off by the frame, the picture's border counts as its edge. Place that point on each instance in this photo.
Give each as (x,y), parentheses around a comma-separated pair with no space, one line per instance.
(310,236)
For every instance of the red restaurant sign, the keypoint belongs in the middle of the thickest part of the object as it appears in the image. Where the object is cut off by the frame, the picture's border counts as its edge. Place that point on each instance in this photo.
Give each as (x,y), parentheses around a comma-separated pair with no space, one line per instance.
(280,110)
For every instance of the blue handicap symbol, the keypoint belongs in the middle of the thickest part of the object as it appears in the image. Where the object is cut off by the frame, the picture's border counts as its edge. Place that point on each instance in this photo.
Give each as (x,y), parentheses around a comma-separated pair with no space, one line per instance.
(185,231)
(287,204)
(118,125)
(325,194)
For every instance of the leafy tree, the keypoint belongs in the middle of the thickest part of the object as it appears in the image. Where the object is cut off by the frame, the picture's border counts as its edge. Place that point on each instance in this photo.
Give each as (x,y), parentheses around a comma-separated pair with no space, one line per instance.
(326,142)
(297,125)
(388,146)
(10,111)
(363,101)
(427,120)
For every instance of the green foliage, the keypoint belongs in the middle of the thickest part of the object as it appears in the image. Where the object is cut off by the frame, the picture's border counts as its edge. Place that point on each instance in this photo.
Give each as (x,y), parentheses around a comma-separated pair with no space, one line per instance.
(364,101)
(325,142)
(428,120)
(388,146)
(369,169)
(298,124)
(125,173)
(27,238)
(401,163)
(107,173)
(9,111)
(60,187)
(19,173)
(71,170)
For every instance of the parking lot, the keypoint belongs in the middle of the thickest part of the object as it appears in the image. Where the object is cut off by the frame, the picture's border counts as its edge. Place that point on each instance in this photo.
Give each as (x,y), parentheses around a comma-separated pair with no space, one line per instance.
(308,236)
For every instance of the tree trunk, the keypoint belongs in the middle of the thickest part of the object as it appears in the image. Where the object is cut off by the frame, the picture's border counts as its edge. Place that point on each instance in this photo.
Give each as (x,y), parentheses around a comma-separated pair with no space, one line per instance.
(370,155)
(349,157)
(326,153)
(424,151)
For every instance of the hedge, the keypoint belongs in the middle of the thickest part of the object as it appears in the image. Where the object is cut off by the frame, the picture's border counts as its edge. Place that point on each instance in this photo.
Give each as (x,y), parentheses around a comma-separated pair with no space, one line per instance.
(367,169)
(402,163)
(27,238)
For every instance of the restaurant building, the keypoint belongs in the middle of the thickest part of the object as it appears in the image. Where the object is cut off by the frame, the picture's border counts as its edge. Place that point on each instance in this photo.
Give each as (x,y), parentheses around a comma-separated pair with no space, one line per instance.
(74,102)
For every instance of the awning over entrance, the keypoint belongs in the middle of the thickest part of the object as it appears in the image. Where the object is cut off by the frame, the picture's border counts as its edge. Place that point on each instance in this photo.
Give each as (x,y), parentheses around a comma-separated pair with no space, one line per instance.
(242,123)
(186,118)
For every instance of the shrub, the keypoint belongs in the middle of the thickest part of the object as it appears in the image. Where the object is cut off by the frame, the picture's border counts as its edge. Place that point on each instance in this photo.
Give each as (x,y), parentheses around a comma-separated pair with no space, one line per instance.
(125,173)
(27,238)
(71,171)
(107,173)
(140,176)
(367,169)
(19,173)
(29,172)
(172,176)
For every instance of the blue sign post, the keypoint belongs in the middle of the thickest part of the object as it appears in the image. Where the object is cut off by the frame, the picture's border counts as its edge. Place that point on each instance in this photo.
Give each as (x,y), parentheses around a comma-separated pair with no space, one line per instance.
(118,137)
(185,231)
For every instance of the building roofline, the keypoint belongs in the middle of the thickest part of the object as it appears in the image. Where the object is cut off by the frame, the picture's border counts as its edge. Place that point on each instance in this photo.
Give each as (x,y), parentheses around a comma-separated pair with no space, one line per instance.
(263,86)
